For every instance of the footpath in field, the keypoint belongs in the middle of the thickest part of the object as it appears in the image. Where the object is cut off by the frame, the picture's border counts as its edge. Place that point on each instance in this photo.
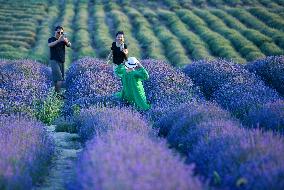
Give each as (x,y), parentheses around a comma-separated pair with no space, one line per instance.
(62,168)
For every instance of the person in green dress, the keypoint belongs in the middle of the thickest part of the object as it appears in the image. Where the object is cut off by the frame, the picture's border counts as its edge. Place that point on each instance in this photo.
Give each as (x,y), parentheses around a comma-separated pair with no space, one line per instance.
(132,73)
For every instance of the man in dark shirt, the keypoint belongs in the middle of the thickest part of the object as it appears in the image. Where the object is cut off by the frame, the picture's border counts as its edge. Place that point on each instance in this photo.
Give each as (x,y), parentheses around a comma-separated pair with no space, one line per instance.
(57,45)
(119,50)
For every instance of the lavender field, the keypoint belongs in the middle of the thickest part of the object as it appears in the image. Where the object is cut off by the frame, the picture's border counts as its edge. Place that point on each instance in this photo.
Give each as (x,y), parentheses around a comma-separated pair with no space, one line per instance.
(216,76)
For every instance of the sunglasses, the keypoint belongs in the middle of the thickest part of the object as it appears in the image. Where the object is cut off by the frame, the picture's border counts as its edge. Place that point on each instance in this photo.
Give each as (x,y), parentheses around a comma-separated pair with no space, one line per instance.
(59,32)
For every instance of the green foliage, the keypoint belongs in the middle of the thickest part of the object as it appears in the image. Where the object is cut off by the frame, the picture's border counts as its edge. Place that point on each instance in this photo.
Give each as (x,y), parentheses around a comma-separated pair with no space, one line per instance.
(18,27)
(252,22)
(149,43)
(175,52)
(186,3)
(65,125)
(13,55)
(199,2)
(237,25)
(219,46)
(267,3)
(280,2)
(82,44)
(241,182)
(233,2)
(269,18)
(172,4)
(76,109)
(254,29)
(66,22)
(216,178)
(246,48)
(102,36)
(215,2)
(48,110)
(40,51)
(110,5)
(195,47)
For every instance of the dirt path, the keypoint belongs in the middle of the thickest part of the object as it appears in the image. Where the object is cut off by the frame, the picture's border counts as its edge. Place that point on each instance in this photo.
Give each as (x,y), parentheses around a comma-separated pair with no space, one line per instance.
(62,167)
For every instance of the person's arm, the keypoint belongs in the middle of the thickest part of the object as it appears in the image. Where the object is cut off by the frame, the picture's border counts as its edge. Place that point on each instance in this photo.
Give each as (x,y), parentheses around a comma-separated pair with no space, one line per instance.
(125,51)
(141,72)
(68,43)
(119,71)
(51,44)
(60,39)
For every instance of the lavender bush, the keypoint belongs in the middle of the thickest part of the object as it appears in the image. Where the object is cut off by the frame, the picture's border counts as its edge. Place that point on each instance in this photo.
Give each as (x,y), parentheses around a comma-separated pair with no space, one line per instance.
(211,75)
(228,155)
(25,150)
(230,85)
(188,114)
(167,87)
(240,98)
(22,83)
(89,82)
(269,116)
(271,70)
(124,154)
(96,121)
(237,158)
(183,131)
(125,160)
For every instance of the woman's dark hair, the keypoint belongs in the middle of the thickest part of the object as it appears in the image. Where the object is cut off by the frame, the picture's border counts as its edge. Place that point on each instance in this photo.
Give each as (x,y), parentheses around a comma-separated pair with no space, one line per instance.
(119,32)
(58,27)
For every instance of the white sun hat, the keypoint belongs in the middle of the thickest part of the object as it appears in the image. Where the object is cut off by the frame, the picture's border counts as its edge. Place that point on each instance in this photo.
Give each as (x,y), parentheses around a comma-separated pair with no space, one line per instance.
(131,63)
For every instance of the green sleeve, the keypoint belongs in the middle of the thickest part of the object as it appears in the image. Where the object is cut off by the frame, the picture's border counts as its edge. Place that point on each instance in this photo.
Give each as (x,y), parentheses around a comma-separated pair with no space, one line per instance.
(119,71)
(141,73)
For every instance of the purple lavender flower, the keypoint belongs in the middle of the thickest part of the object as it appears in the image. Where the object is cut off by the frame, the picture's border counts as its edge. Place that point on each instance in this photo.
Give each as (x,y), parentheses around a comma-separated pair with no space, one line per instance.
(271,70)
(269,116)
(210,75)
(95,121)
(25,150)
(167,87)
(89,82)
(226,153)
(240,98)
(183,131)
(122,159)
(230,85)
(22,83)
(124,153)
(237,158)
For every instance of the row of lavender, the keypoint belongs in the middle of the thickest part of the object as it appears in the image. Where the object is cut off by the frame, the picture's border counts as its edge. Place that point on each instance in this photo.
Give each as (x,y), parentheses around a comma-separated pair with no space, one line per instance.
(123,152)
(23,83)
(91,82)
(255,102)
(25,148)
(223,150)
